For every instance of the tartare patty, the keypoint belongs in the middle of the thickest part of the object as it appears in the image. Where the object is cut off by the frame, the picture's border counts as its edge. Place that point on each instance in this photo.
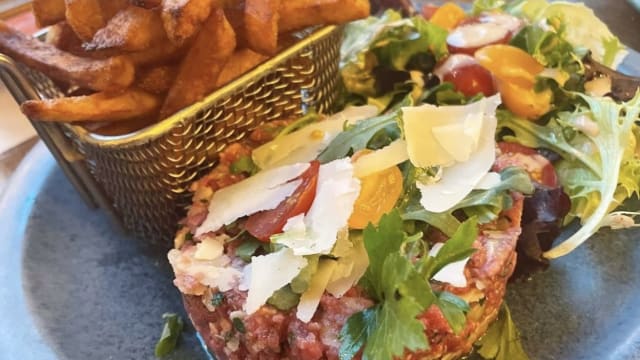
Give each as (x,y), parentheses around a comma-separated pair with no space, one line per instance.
(271,333)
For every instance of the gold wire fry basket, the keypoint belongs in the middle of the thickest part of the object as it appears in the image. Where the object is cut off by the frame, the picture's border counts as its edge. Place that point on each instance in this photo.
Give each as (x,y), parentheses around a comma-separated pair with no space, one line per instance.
(142,179)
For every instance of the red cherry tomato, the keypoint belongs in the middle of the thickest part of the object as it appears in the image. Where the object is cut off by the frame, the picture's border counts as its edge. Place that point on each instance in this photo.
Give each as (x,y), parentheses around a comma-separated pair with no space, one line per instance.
(471,80)
(428,10)
(539,167)
(266,223)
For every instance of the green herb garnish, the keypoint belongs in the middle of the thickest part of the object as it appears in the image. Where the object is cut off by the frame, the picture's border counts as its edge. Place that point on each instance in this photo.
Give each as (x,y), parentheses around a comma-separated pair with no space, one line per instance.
(171,331)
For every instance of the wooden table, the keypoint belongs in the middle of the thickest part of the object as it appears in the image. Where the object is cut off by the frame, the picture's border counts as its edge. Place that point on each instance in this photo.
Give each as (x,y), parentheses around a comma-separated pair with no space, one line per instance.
(621,17)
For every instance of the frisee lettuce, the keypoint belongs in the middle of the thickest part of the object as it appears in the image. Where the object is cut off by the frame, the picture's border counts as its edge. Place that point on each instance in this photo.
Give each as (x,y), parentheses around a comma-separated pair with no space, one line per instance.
(403,292)
(600,167)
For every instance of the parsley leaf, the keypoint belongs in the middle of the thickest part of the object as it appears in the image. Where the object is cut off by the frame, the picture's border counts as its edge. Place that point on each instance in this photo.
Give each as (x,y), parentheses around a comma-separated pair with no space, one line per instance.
(502,340)
(401,287)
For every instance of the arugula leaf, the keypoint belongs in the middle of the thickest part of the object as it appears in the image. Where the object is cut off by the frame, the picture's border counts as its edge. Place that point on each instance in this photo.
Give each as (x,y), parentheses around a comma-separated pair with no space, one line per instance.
(599,169)
(358,136)
(244,164)
(457,248)
(248,248)
(171,331)
(502,340)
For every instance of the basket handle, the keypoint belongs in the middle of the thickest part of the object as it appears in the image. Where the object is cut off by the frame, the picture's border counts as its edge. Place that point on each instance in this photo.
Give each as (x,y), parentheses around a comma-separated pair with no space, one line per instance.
(68,158)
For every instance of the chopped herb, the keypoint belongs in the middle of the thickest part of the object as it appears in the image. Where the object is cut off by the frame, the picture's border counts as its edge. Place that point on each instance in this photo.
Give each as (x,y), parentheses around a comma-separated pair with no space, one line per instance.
(300,283)
(217,299)
(243,165)
(502,340)
(248,248)
(171,331)
(238,324)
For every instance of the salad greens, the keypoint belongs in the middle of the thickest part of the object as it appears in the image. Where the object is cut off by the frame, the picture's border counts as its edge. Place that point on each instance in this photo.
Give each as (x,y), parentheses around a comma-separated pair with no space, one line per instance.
(502,340)
(401,287)
(600,166)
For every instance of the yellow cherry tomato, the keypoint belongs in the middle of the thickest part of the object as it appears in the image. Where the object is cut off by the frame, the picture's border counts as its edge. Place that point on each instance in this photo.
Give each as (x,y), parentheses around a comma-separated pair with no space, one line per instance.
(509,62)
(515,72)
(524,101)
(448,16)
(379,193)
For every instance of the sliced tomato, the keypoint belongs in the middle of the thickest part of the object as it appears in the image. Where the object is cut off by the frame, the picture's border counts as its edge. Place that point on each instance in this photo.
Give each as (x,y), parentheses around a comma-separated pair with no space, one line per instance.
(539,167)
(263,224)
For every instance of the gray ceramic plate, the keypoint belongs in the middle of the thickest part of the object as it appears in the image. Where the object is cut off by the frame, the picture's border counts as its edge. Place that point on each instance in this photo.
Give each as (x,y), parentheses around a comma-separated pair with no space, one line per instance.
(73,288)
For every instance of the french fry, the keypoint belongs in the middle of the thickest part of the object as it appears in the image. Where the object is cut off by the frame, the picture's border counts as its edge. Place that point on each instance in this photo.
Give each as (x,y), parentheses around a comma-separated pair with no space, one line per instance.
(86,17)
(48,12)
(239,63)
(114,128)
(299,14)
(147,4)
(183,18)
(156,80)
(261,25)
(112,74)
(132,29)
(201,66)
(100,106)
(61,35)
(161,54)
(235,14)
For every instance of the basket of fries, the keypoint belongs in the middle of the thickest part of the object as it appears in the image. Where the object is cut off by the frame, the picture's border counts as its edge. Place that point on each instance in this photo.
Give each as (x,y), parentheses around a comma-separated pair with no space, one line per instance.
(137,108)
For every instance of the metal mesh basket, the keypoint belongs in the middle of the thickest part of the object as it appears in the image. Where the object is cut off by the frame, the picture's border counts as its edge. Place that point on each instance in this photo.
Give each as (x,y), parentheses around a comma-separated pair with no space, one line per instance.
(142,179)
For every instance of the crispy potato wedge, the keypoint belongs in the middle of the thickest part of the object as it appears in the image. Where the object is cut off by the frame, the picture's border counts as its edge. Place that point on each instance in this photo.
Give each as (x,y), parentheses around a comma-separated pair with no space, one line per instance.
(201,66)
(183,18)
(114,128)
(157,79)
(61,35)
(112,74)
(235,14)
(131,29)
(147,4)
(239,63)
(100,106)
(261,25)
(48,12)
(84,17)
(298,14)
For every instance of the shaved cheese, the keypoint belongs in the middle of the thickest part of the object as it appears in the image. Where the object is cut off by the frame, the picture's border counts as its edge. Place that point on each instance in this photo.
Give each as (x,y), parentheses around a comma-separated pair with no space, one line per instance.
(307,143)
(426,148)
(452,273)
(263,191)
(460,179)
(329,213)
(269,273)
(458,138)
(352,263)
(210,248)
(390,155)
(310,299)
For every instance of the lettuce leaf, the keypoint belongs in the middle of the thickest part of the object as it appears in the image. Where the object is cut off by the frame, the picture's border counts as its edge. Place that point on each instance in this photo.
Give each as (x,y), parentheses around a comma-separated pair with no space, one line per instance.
(388,42)
(583,29)
(600,167)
